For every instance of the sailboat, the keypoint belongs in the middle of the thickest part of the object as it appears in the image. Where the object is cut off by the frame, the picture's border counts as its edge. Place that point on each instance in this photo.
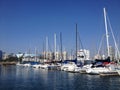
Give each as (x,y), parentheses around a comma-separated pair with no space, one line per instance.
(36,64)
(71,66)
(110,69)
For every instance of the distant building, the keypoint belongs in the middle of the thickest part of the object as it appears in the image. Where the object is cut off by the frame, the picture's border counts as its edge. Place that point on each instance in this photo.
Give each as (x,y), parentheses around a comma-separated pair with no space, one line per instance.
(54,56)
(104,56)
(5,56)
(83,54)
(112,53)
(97,56)
(19,55)
(8,55)
(1,54)
(50,55)
(64,55)
(57,56)
(47,55)
(30,57)
(70,57)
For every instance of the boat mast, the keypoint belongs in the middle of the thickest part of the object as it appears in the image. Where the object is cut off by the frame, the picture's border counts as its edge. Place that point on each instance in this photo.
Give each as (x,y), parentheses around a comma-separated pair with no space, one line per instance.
(117,52)
(44,53)
(35,54)
(55,45)
(46,47)
(107,35)
(61,46)
(76,41)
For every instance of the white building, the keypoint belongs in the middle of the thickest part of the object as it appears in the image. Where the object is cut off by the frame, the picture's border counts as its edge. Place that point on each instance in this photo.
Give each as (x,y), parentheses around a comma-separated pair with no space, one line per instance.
(83,54)
(57,56)
(64,55)
(30,57)
(5,56)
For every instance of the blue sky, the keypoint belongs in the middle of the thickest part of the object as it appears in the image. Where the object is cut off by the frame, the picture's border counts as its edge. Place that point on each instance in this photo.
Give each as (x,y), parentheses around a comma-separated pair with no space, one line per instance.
(25,24)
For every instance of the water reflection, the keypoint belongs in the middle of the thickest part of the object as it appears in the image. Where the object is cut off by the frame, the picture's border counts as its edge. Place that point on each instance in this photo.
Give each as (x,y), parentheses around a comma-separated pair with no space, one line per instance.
(23,78)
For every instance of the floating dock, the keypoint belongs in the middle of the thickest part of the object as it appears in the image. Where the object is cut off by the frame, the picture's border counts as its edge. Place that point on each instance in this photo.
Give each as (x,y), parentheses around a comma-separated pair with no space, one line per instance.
(109,74)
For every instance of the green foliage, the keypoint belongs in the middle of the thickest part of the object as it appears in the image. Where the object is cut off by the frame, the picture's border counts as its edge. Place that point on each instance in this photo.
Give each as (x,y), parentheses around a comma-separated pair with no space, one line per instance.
(11,59)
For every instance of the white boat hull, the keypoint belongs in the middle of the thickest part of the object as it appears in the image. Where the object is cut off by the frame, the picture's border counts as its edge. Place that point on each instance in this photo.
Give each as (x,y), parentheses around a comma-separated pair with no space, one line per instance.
(97,70)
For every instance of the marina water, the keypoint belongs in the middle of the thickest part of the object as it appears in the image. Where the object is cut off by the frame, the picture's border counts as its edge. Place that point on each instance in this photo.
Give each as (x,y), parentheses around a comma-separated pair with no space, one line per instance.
(25,78)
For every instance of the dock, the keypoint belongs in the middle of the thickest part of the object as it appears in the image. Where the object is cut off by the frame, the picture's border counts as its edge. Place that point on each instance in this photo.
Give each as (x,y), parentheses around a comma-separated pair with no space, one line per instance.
(109,74)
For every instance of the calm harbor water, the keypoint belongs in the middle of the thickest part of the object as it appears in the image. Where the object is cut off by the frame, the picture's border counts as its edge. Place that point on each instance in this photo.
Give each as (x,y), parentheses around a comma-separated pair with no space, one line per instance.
(26,78)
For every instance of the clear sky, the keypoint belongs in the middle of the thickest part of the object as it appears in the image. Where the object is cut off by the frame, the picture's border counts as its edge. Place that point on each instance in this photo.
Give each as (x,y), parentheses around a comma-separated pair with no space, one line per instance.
(26,23)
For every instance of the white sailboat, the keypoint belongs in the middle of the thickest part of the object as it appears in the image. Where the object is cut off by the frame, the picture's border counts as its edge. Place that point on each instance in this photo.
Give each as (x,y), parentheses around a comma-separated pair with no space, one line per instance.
(72,66)
(36,64)
(104,70)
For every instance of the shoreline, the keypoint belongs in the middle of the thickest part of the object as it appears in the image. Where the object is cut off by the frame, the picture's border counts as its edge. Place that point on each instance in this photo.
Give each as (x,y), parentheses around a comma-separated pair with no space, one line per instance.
(8,63)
